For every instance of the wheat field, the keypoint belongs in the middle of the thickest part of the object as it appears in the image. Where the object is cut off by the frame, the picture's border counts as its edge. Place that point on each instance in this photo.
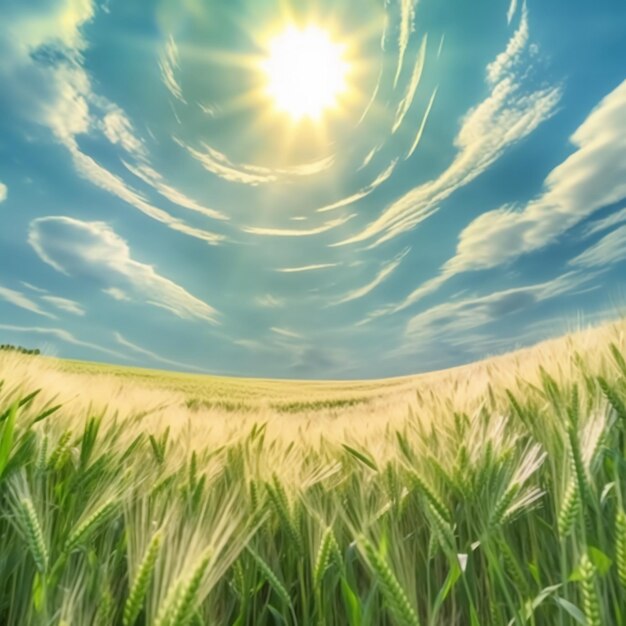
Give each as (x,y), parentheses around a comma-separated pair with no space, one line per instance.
(491,494)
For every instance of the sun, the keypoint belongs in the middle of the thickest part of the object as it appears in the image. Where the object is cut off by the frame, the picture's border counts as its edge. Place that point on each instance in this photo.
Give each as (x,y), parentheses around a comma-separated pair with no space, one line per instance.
(306,72)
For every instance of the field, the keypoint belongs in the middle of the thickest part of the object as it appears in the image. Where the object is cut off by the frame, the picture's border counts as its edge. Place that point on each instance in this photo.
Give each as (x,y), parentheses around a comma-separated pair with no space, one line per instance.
(487,495)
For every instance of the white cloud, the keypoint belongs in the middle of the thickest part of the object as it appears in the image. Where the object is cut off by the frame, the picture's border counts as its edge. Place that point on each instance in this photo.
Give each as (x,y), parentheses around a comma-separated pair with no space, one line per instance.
(169,64)
(95,251)
(383,274)
(63,304)
(610,249)
(151,177)
(453,320)
(219,164)
(285,332)
(407,101)
(118,130)
(292,232)
(18,299)
(365,191)
(59,95)
(407,18)
(3,192)
(34,288)
(269,301)
(116,294)
(507,62)
(307,268)
(507,115)
(153,355)
(62,335)
(594,176)
(422,126)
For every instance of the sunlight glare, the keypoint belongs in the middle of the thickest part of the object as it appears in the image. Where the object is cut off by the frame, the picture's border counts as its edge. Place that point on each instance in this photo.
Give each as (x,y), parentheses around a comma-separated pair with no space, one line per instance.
(306,72)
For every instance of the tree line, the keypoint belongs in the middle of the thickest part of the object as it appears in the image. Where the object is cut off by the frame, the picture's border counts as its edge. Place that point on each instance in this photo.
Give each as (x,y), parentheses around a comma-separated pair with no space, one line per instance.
(20,349)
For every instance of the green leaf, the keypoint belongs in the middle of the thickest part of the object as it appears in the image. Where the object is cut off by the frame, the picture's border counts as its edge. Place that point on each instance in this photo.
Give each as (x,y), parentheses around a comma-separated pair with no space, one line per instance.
(451,579)
(573,610)
(600,560)
(6,438)
(364,458)
(351,602)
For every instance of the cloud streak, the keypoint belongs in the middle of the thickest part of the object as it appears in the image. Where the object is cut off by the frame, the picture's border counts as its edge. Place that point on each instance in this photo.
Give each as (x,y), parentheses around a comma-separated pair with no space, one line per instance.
(507,115)
(94,251)
(18,299)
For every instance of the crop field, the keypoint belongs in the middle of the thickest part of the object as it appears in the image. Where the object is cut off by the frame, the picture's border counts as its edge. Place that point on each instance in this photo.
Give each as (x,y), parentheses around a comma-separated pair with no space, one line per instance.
(487,495)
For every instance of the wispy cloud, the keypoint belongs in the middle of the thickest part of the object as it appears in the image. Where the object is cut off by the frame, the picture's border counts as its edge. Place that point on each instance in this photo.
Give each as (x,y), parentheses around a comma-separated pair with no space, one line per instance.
(151,177)
(34,287)
(452,322)
(153,356)
(118,130)
(507,115)
(93,250)
(62,335)
(422,126)
(407,18)
(116,294)
(306,268)
(293,232)
(219,164)
(68,116)
(386,270)
(364,192)
(610,249)
(285,332)
(594,176)
(269,301)
(168,63)
(18,299)
(65,305)
(407,100)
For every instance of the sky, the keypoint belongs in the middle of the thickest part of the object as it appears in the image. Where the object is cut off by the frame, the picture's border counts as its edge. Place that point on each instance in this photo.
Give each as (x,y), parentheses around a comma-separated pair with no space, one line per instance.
(464,196)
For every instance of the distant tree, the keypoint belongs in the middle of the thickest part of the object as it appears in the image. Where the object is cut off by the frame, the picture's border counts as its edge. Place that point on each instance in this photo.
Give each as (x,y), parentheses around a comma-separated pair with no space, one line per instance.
(21,349)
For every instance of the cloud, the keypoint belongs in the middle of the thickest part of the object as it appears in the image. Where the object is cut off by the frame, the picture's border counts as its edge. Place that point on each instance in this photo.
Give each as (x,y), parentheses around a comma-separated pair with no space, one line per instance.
(422,126)
(62,335)
(407,18)
(63,304)
(610,249)
(451,320)
(219,164)
(153,355)
(269,301)
(116,294)
(34,288)
(306,268)
(18,299)
(151,177)
(118,130)
(168,63)
(285,332)
(592,177)
(49,85)
(383,274)
(292,232)
(3,192)
(407,101)
(365,191)
(507,115)
(94,251)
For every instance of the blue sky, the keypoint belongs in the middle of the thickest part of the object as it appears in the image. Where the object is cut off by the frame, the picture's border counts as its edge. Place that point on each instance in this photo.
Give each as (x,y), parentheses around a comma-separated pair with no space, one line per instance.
(467,196)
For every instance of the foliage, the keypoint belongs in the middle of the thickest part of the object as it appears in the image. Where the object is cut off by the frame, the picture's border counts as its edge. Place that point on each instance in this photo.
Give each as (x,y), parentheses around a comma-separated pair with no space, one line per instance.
(504,510)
